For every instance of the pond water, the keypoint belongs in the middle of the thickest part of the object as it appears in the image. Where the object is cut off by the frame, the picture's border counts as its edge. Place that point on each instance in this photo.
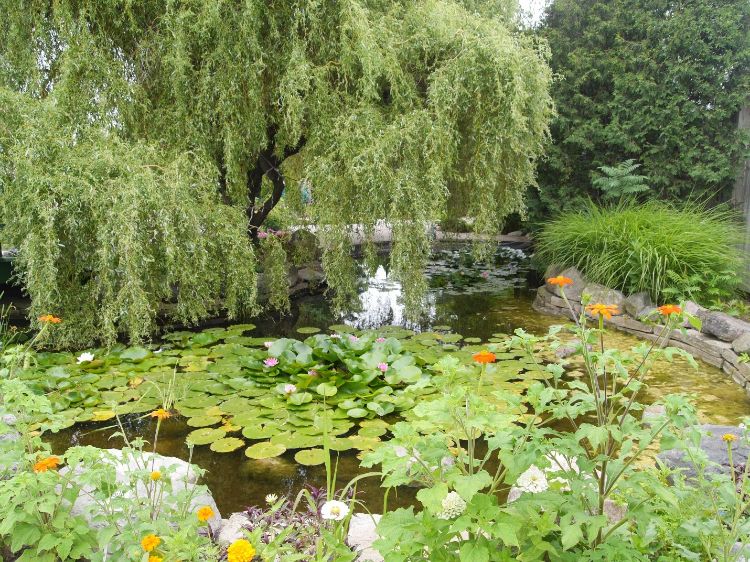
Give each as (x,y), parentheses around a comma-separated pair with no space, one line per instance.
(474,300)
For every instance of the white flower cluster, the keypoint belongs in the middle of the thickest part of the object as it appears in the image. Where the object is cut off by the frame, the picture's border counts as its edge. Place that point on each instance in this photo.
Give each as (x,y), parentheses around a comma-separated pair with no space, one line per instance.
(535,480)
(453,506)
(334,510)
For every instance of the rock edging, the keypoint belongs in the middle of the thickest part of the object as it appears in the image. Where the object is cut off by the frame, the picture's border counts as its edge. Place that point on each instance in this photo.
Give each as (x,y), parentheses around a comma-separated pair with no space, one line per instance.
(720,342)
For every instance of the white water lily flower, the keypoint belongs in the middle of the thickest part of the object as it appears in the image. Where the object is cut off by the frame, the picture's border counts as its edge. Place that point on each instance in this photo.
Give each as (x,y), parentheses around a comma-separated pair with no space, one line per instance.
(560,463)
(289,389)
(453,506)
(85,357)
(334,510)
(272,498)
(533,480)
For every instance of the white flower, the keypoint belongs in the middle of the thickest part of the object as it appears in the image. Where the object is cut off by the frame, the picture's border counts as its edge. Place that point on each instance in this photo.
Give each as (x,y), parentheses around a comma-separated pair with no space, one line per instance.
(742,427)
(268,344)
(400,451)
(289,389)
(533,480)
(272,498)
(559,463)
(85,357)
(453,506)
(334,510)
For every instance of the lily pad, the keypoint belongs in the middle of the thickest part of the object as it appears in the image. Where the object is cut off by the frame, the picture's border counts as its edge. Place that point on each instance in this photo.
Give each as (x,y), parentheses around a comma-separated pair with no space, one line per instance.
(308,330)
(203,421)
(264,450)
(326,389)
(310,457)
(204,436)
(226,445)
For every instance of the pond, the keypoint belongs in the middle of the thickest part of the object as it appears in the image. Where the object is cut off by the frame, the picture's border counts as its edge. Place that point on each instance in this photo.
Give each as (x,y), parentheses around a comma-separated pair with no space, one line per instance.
(475,301)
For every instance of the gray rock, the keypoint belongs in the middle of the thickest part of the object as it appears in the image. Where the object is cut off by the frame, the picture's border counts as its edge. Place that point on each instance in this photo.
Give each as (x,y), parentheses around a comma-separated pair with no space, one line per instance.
(313,276)
(231,529)
(183,475)
(723,326)
(553,270)
(638,305)
(694,309)
(714,447)
(600,294)
(742,343)
(573,292)
(362,534)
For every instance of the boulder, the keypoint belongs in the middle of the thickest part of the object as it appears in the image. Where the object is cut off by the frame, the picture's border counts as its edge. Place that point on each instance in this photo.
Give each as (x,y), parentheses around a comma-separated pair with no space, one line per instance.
(573,292)
(184,474)
(362,534)
(311,275)
(723,326)
(639,305)
(553,270)
(694,309)
(715,449)
(742,343)
(600,294)
(232,529)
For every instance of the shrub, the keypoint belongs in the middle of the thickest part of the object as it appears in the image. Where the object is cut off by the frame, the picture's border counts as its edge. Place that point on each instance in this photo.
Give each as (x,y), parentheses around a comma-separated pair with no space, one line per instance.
(668,251)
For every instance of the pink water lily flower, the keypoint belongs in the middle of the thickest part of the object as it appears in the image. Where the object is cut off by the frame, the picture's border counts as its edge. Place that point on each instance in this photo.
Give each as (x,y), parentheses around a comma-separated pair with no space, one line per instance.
(380,340)
(383,366)
(268,344)
(289,389)
(271,361)
(485,274)
(353,338)
(312,373)
(262,234)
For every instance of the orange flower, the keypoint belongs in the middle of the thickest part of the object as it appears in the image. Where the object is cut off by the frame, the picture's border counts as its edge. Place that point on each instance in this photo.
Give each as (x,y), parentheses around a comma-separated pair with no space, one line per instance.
(155,475)
(150,542)
(155,559)
(240,550)
(728,437)
(605,310)
(668,309)
(205,513)
(50,463)
(560,281)
(49,319)
(484,356)
(160,414)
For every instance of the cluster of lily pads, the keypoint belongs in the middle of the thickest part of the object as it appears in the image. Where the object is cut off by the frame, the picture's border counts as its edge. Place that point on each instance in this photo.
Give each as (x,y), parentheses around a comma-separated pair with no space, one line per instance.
(273,395)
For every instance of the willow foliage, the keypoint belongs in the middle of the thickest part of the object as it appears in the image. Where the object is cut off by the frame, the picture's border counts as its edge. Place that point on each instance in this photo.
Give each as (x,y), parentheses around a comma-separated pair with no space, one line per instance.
(171,123)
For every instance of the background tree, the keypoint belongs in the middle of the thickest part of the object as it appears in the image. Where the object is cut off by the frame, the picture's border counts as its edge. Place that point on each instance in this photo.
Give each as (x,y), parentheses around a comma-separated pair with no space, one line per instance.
(140,141)
(657,81)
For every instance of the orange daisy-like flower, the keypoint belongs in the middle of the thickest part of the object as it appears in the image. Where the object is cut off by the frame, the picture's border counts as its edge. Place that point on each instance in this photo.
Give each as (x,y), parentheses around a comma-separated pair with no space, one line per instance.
(150,542)
(205,513)
(668,309)
(155,559)
(49,463)
(605,310)
(484,356)
(160,414)
(729,437)
(240,550)
(560,281)
(49,319)
(155,475)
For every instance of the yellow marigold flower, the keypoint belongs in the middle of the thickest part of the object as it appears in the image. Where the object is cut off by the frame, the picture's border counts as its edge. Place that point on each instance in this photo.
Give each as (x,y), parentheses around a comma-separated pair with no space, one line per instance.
(150,542)
(240,551)
(49,319)
(484,356)
(155,559)
(729,437)
(49,463)
(155,475)
(605,310)
(560,281)
(160,414)
(668,309)
(205,513)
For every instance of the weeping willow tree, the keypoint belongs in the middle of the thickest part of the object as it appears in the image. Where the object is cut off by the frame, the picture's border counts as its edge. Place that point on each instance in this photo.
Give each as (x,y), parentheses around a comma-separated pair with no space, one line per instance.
(144,143)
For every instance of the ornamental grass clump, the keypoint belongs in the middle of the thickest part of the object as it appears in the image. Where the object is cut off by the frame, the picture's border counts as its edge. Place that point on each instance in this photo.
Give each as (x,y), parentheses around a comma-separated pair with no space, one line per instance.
(671,252)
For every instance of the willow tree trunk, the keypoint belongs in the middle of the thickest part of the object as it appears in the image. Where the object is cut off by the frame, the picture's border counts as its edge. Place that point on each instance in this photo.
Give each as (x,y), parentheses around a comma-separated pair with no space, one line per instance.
(741,195)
